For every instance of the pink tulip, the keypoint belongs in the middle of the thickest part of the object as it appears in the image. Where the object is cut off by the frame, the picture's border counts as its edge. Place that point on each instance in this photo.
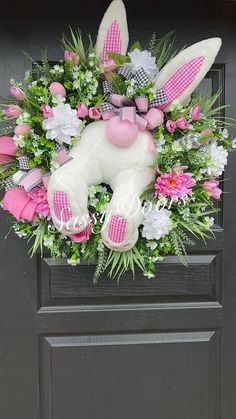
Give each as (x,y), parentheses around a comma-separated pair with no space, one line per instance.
(13,111)
(22,129)
(94,113)
(109,66)
(182,123)
(57,89)
(17,93)
(170,126)
(71,58)
(47,111)
(211,186)
(195,113)
(82,110)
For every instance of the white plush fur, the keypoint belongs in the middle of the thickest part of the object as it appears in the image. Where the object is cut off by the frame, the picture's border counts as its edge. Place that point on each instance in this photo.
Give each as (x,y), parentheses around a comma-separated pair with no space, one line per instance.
(97,160)
(116,11)
(208,48)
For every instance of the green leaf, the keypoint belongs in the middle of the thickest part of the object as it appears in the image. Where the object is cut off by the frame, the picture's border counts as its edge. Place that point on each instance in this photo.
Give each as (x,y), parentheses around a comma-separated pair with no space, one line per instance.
(118,58)
(136,45)
(68,85)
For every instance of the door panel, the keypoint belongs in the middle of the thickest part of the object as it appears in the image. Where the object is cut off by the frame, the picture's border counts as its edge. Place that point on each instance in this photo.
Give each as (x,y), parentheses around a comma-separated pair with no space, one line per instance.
(131,376)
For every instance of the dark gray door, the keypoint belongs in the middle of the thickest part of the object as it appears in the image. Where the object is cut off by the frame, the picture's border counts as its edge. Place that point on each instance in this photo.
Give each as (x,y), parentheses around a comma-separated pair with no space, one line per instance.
(162,348)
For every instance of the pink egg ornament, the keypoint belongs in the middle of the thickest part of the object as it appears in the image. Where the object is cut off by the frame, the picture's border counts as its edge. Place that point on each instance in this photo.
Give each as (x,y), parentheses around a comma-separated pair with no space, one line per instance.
(121,133)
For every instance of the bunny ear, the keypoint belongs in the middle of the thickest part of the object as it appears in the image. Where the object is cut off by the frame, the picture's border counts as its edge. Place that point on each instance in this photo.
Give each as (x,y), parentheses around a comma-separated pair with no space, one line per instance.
(113,35)
(180,77)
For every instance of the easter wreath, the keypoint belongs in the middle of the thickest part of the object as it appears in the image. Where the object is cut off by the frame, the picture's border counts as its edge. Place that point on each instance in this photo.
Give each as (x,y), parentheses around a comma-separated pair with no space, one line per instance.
(102,117)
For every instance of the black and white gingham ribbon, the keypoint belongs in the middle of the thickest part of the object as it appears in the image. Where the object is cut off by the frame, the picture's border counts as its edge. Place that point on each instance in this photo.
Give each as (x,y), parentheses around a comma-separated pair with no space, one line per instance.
(141,78)
(139,75)
(23,163)
(9,184)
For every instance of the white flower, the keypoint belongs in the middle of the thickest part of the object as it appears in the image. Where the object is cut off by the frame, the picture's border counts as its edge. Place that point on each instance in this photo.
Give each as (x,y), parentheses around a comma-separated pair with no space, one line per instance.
(234,143)
(149,275)
(19,140)
(145,60)
(63,125)
(157,223)
(225,133)
(73,262)
(58,100)
(152,245)
(209,221)
(217,159)
(48,241)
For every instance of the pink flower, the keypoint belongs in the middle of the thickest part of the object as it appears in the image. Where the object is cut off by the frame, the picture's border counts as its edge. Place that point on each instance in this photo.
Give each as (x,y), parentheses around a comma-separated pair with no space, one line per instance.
(195,113)
(57,89)
(174,185)
(170,126)
(47,111)
(22,129)
(84,235)
(109,66)
(39,196)
(94,113)
(182,123)
(71,58)
(82,110)
(211,186)
(17,93)
(13,111)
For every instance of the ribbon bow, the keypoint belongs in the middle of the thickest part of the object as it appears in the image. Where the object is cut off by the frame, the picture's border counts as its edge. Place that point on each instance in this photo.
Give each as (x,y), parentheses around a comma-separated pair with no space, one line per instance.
(139,111)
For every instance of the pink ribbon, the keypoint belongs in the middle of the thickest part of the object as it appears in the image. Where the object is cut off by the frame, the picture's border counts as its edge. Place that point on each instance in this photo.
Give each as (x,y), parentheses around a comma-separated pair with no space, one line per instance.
(8,149)
(34,177)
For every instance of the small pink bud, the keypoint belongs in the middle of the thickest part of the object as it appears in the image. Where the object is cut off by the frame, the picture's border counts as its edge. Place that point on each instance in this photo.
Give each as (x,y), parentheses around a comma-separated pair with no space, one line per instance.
(13,111)
(195,113)
(22,129)
(211,186)
(182,123)
(17,93)
(71,58)
(109,66)
(170,126)
(57,89)
(82,110)
(94,113)
(47,111)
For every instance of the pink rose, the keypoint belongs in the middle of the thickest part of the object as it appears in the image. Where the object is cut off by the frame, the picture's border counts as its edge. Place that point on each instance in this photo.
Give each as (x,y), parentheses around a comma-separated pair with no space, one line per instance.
(47,111)
(22,129)
(84,235)
(109,66)
(182,123)
(94,113)
(13,111)
(170,126)
(57,89)
(71,58)
(82,110)
(195,113)
(39,196)
(17,93)
(211,186)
